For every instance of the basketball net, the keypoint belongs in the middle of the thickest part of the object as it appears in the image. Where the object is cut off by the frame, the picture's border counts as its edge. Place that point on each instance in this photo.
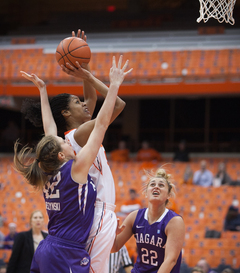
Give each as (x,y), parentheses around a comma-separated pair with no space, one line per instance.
(222,10)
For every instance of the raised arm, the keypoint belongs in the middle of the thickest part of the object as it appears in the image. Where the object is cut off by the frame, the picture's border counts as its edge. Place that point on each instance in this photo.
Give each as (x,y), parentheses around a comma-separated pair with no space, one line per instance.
(87,154)
(84,73)
(49,124)
(89,92)
(103,90)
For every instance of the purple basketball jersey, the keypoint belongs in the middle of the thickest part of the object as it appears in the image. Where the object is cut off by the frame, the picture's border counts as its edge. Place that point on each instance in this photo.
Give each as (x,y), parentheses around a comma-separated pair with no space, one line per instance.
(151,240)
(70,206)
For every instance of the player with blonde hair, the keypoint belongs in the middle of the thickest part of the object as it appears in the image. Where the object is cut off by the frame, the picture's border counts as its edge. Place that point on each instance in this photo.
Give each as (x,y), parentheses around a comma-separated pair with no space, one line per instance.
(159,232)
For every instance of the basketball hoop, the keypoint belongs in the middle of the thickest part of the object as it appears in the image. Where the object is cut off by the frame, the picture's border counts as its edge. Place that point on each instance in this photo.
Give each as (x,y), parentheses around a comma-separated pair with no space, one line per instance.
(222,10)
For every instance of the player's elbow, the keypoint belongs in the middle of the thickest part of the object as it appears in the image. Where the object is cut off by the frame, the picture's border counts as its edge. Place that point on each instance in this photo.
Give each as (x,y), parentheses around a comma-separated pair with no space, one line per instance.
(119,106)
(172,261)
(123,104)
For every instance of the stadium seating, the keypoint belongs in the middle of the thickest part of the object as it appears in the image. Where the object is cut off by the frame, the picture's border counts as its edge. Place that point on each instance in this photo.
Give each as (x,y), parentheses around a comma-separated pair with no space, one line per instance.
(147,65)
(201,208)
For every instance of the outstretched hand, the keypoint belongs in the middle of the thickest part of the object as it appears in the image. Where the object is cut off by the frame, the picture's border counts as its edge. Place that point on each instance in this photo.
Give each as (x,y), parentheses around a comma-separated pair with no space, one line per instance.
(34,78)
(117,74)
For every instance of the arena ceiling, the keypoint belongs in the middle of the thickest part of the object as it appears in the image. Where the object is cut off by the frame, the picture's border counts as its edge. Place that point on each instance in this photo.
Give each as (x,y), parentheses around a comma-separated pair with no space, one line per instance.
(19,17)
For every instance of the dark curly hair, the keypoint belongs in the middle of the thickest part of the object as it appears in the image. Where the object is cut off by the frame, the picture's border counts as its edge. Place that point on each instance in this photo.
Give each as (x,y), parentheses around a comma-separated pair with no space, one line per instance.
(32,111)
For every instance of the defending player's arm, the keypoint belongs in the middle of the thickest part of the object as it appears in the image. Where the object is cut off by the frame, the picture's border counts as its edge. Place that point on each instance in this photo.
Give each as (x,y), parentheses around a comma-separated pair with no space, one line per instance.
(49,124)
(174,244)
(89,152)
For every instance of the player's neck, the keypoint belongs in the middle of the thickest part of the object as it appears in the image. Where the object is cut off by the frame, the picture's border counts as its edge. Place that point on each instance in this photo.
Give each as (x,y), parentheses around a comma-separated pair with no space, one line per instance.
(73,125)
(155,212)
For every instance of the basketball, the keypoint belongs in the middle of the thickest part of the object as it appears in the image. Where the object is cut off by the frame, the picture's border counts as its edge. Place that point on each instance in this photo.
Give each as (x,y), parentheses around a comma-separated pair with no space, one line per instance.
(73,49)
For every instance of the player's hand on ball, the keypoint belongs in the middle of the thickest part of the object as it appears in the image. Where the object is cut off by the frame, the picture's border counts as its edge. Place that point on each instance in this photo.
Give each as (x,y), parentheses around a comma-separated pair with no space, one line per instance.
(80,34)
(117,74)
(78,71)
(34,78)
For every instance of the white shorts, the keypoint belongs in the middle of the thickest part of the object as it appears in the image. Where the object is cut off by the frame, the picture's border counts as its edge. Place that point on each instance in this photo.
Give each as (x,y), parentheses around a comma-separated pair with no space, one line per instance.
(101,237)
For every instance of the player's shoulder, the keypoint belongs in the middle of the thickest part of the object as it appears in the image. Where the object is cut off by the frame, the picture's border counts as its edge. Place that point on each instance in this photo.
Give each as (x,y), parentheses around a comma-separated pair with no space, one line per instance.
(132,216)
(137,214)
(176,220)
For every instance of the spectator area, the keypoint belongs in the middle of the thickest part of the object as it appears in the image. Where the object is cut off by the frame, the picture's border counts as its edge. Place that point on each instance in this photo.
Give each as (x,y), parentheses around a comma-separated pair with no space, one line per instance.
(201,208)
(146,65)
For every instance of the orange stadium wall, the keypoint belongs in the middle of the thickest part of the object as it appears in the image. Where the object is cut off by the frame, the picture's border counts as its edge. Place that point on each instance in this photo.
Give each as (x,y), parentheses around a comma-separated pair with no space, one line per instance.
(183,88)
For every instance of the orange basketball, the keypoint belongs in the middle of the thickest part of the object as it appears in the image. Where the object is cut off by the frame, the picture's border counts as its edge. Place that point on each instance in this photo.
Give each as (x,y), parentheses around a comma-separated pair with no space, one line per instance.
(73,49)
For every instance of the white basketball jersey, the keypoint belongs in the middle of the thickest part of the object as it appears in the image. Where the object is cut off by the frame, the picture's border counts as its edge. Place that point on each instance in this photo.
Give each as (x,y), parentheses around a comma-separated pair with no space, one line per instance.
(99,171)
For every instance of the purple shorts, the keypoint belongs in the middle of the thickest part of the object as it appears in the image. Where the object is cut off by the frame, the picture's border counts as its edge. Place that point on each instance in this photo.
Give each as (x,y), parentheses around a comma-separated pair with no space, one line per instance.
(57,255)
